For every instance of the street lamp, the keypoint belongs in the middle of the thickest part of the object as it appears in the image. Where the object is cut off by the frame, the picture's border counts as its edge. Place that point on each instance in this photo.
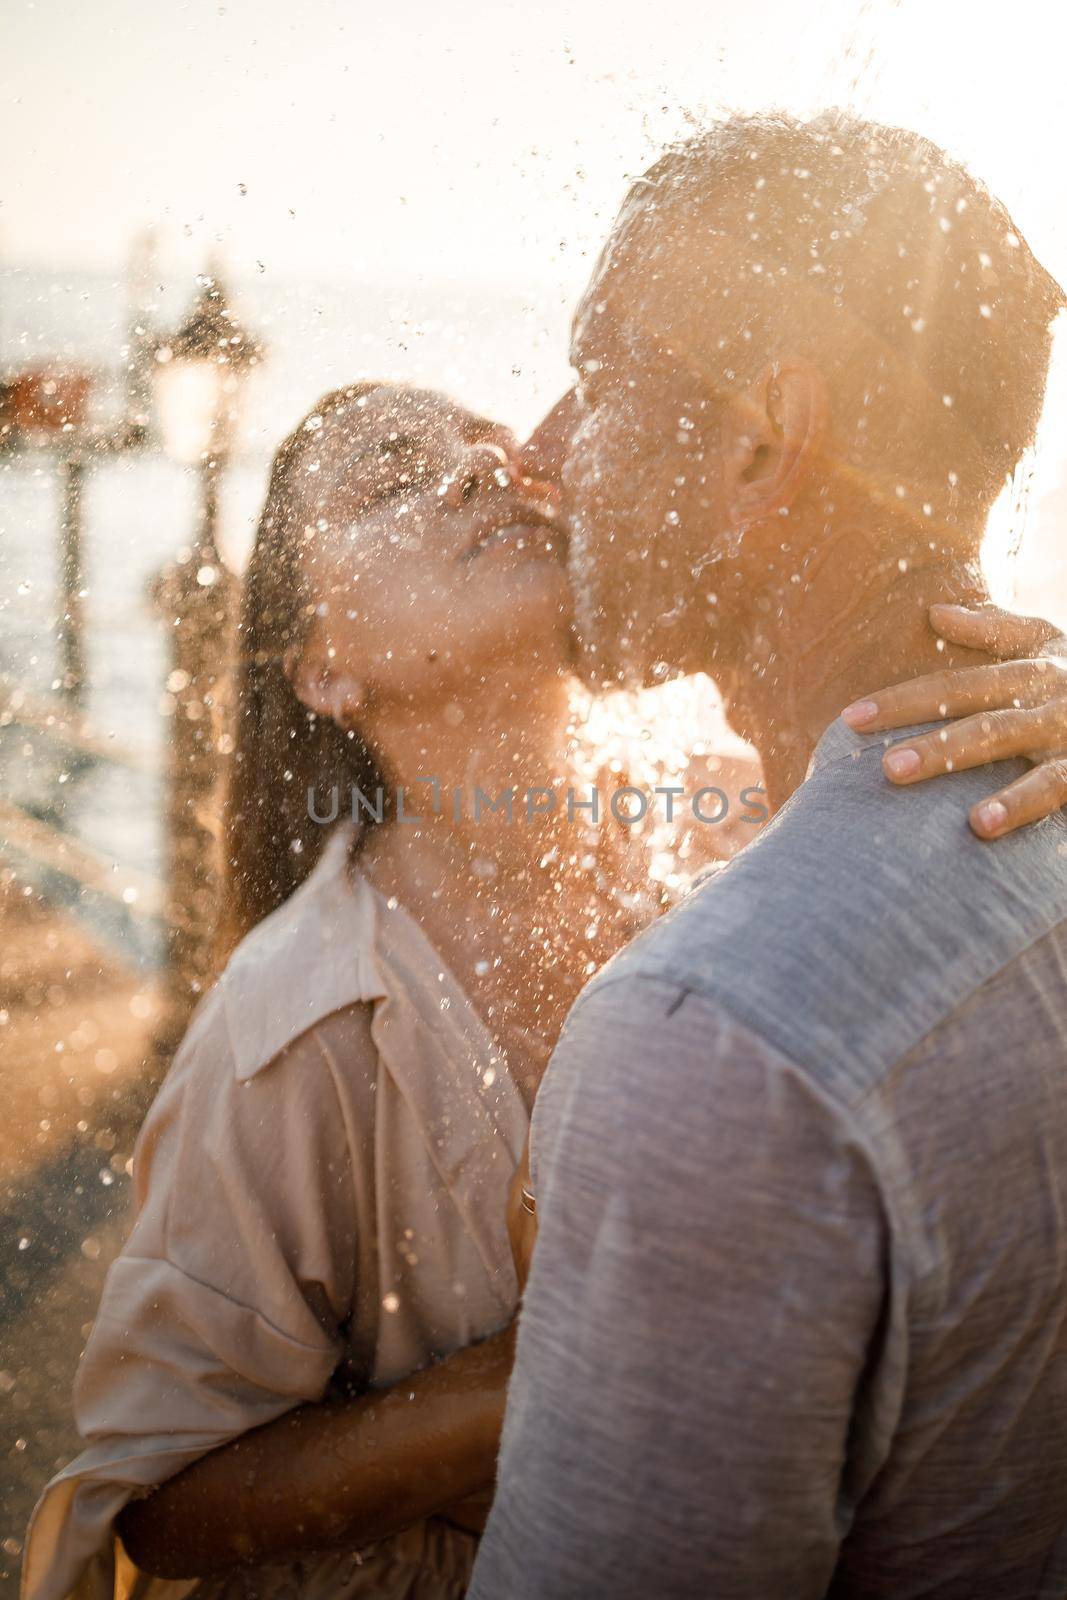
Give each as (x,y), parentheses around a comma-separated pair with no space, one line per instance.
(199,374)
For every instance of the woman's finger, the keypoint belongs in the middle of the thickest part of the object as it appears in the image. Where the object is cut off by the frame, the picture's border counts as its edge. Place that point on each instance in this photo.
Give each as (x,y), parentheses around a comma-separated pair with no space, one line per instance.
(957,692)
(990,736)
(990,628)
(1038,794)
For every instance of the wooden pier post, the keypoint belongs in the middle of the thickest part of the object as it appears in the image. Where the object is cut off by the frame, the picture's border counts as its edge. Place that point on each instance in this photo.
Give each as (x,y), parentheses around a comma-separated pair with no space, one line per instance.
(72,469)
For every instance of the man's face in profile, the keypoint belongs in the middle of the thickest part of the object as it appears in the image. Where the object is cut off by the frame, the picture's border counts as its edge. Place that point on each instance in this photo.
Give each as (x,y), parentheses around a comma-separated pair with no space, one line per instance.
(643,478)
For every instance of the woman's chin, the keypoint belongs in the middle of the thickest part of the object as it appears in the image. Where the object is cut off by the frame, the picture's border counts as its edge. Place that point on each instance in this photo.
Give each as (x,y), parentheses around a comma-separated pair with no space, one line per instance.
(528,593)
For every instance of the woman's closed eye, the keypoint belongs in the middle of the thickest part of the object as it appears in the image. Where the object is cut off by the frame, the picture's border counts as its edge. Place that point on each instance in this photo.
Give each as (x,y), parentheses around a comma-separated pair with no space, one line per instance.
(403,470)
(393,489)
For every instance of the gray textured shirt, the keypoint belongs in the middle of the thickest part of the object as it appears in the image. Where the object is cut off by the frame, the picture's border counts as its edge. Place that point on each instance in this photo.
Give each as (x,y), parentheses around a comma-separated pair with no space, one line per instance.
(797,1319)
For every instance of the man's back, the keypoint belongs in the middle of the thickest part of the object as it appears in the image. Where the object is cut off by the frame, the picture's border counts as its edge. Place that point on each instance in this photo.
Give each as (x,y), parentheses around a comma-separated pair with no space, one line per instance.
(797,1322)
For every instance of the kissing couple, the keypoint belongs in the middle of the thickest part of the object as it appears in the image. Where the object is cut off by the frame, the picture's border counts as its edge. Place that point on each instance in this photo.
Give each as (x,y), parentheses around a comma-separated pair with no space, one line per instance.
(796,1319)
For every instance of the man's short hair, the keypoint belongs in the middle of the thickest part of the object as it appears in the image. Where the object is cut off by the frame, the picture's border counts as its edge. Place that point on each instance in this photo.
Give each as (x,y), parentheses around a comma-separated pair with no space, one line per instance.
(887,257)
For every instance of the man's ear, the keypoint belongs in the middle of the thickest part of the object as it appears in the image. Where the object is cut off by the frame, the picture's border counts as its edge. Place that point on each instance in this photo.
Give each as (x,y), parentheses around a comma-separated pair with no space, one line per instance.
(771,437)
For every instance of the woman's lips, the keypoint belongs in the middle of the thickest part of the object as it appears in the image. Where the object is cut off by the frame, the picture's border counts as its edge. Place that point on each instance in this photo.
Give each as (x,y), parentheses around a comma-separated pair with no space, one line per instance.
(529,536)
(526,538)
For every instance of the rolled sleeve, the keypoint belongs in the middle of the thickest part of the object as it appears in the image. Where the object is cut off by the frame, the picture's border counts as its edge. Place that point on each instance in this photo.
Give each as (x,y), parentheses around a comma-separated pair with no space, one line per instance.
(704,1300)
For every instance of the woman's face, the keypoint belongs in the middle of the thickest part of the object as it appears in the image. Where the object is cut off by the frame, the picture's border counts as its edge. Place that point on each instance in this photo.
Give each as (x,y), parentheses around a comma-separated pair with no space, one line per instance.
(437,568)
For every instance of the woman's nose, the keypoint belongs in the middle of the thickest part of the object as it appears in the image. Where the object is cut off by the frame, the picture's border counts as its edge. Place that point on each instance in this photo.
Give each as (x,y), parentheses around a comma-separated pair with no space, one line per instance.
(480,462)
(544,493)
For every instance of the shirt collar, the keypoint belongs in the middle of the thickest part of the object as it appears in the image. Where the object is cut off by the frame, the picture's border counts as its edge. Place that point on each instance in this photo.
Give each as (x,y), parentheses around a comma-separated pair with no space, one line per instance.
(323,938)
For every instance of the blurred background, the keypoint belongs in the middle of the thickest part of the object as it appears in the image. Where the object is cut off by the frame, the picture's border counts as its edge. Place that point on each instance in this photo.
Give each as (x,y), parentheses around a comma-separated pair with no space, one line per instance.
(323,194)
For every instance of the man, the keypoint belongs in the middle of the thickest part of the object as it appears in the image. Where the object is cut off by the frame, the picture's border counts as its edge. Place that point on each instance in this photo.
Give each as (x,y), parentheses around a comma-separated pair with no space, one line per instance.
(797,1319)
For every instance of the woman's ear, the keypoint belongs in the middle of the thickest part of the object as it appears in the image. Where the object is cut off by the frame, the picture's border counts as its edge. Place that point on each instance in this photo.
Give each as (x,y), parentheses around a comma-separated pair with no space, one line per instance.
(320,687)
(771,437)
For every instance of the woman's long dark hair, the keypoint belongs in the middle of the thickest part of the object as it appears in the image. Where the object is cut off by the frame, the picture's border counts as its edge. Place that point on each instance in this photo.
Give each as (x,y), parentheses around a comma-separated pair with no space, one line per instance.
(281,749)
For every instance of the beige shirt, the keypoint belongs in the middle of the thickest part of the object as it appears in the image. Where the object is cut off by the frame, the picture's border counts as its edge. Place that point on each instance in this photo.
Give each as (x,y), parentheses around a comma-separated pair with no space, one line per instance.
(320,1189)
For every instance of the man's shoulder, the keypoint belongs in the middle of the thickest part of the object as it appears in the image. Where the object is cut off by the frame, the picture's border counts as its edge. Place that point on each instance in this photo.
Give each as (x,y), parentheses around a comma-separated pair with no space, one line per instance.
(860,918)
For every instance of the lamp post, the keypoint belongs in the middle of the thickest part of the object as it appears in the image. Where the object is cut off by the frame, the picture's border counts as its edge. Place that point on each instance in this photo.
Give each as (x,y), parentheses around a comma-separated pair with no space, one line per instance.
(199,376)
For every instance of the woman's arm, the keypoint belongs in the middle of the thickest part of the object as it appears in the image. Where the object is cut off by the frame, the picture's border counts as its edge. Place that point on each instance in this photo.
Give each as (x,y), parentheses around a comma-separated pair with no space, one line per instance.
(330,1474)
(1015,708)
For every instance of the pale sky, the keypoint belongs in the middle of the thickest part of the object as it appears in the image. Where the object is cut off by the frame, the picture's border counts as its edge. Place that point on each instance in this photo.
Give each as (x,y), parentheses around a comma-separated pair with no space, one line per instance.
(466,138)
(477,141)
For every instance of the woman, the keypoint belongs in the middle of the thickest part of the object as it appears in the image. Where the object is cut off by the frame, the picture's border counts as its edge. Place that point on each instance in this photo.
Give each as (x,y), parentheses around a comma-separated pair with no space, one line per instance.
(321,1184)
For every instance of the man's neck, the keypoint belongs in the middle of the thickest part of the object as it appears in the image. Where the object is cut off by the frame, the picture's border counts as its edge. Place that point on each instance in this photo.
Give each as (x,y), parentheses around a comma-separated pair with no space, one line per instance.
(808,649)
